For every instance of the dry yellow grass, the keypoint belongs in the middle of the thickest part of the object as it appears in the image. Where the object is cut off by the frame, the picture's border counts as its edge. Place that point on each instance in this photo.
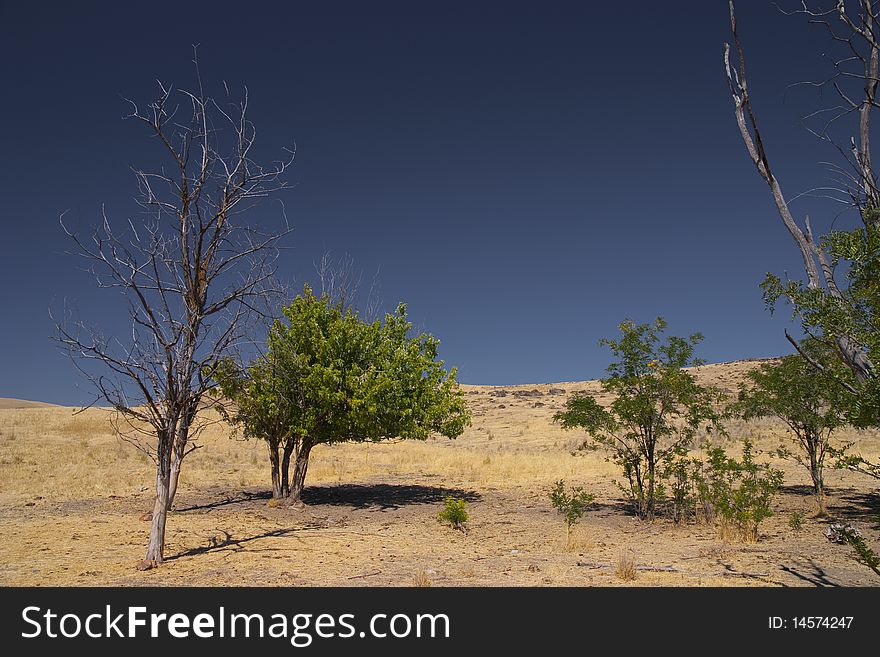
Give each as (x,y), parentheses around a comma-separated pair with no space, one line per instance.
(9,402)
(71,495)
(625,569)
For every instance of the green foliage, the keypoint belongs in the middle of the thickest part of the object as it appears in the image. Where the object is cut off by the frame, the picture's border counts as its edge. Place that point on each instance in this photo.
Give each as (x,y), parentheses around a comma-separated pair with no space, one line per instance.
(863,552)
(454,513)
(656,410)
(328,376)
(262,395)
(681,485)
(360,381)
(845,460)
(796,520)
(570,505)
(811,402)
(738,492)
(851,315)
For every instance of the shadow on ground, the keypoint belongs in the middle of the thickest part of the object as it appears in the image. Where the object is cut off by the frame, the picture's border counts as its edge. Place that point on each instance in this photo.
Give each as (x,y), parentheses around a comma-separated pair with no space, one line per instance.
(384,496)
(227,541)
(239,498)
(858,506)
(798,490)
(815,575)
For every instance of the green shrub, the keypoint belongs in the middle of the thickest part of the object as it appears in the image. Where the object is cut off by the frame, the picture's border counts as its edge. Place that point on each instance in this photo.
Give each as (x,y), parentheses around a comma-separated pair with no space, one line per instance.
(570,505)
(454,513)
(738,492)
(796,520)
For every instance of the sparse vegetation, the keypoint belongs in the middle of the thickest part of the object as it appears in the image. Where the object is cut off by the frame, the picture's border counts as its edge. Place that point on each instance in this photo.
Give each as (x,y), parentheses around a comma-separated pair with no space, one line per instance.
(369,526)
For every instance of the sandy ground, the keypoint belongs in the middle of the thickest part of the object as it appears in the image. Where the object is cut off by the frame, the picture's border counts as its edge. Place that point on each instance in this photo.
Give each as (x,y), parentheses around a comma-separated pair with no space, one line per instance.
(72,494)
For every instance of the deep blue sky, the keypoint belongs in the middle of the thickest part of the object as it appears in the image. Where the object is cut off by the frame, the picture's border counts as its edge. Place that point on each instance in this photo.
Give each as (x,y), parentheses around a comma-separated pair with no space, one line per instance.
(524,177)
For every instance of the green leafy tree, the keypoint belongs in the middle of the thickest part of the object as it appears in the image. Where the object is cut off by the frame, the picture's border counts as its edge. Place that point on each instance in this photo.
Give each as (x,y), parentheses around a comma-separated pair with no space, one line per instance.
(328,377)
(656,410)
(811,402)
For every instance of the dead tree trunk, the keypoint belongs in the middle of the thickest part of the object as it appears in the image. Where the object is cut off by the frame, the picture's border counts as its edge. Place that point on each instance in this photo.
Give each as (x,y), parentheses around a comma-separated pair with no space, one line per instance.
(174,476)
(182,445)
(818,268)
(156,547)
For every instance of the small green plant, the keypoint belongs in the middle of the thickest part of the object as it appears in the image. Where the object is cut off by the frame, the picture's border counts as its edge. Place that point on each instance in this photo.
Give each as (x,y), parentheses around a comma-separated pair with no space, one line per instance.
(570,505)
(739,492)
(796,520)
(454,513)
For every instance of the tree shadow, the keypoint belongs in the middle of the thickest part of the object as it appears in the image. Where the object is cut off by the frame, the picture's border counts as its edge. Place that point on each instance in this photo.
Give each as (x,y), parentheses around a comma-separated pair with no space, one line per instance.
(613,507)
(857,506)
(240,498)
(384,496)
(800,490)
(228,542)
(818,576)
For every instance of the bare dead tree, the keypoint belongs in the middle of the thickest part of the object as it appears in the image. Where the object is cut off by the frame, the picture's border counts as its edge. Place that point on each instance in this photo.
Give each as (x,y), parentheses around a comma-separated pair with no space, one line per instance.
(854,82)
(341,280)
(194,275)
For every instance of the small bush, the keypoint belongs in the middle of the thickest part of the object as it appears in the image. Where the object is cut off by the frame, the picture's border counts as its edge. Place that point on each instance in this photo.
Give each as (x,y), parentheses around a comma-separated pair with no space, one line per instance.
(739,492)
(570,505)
(454,513)
(796,520)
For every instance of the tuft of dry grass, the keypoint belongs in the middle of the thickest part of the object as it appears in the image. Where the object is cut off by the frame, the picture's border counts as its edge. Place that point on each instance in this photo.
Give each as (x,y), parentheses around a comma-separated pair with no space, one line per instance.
(578,540)
(625,568)
(730,531)
(422,580)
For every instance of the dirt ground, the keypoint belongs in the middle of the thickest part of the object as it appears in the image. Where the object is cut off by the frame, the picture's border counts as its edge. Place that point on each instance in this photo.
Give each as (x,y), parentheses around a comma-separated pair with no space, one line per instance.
(72,494)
